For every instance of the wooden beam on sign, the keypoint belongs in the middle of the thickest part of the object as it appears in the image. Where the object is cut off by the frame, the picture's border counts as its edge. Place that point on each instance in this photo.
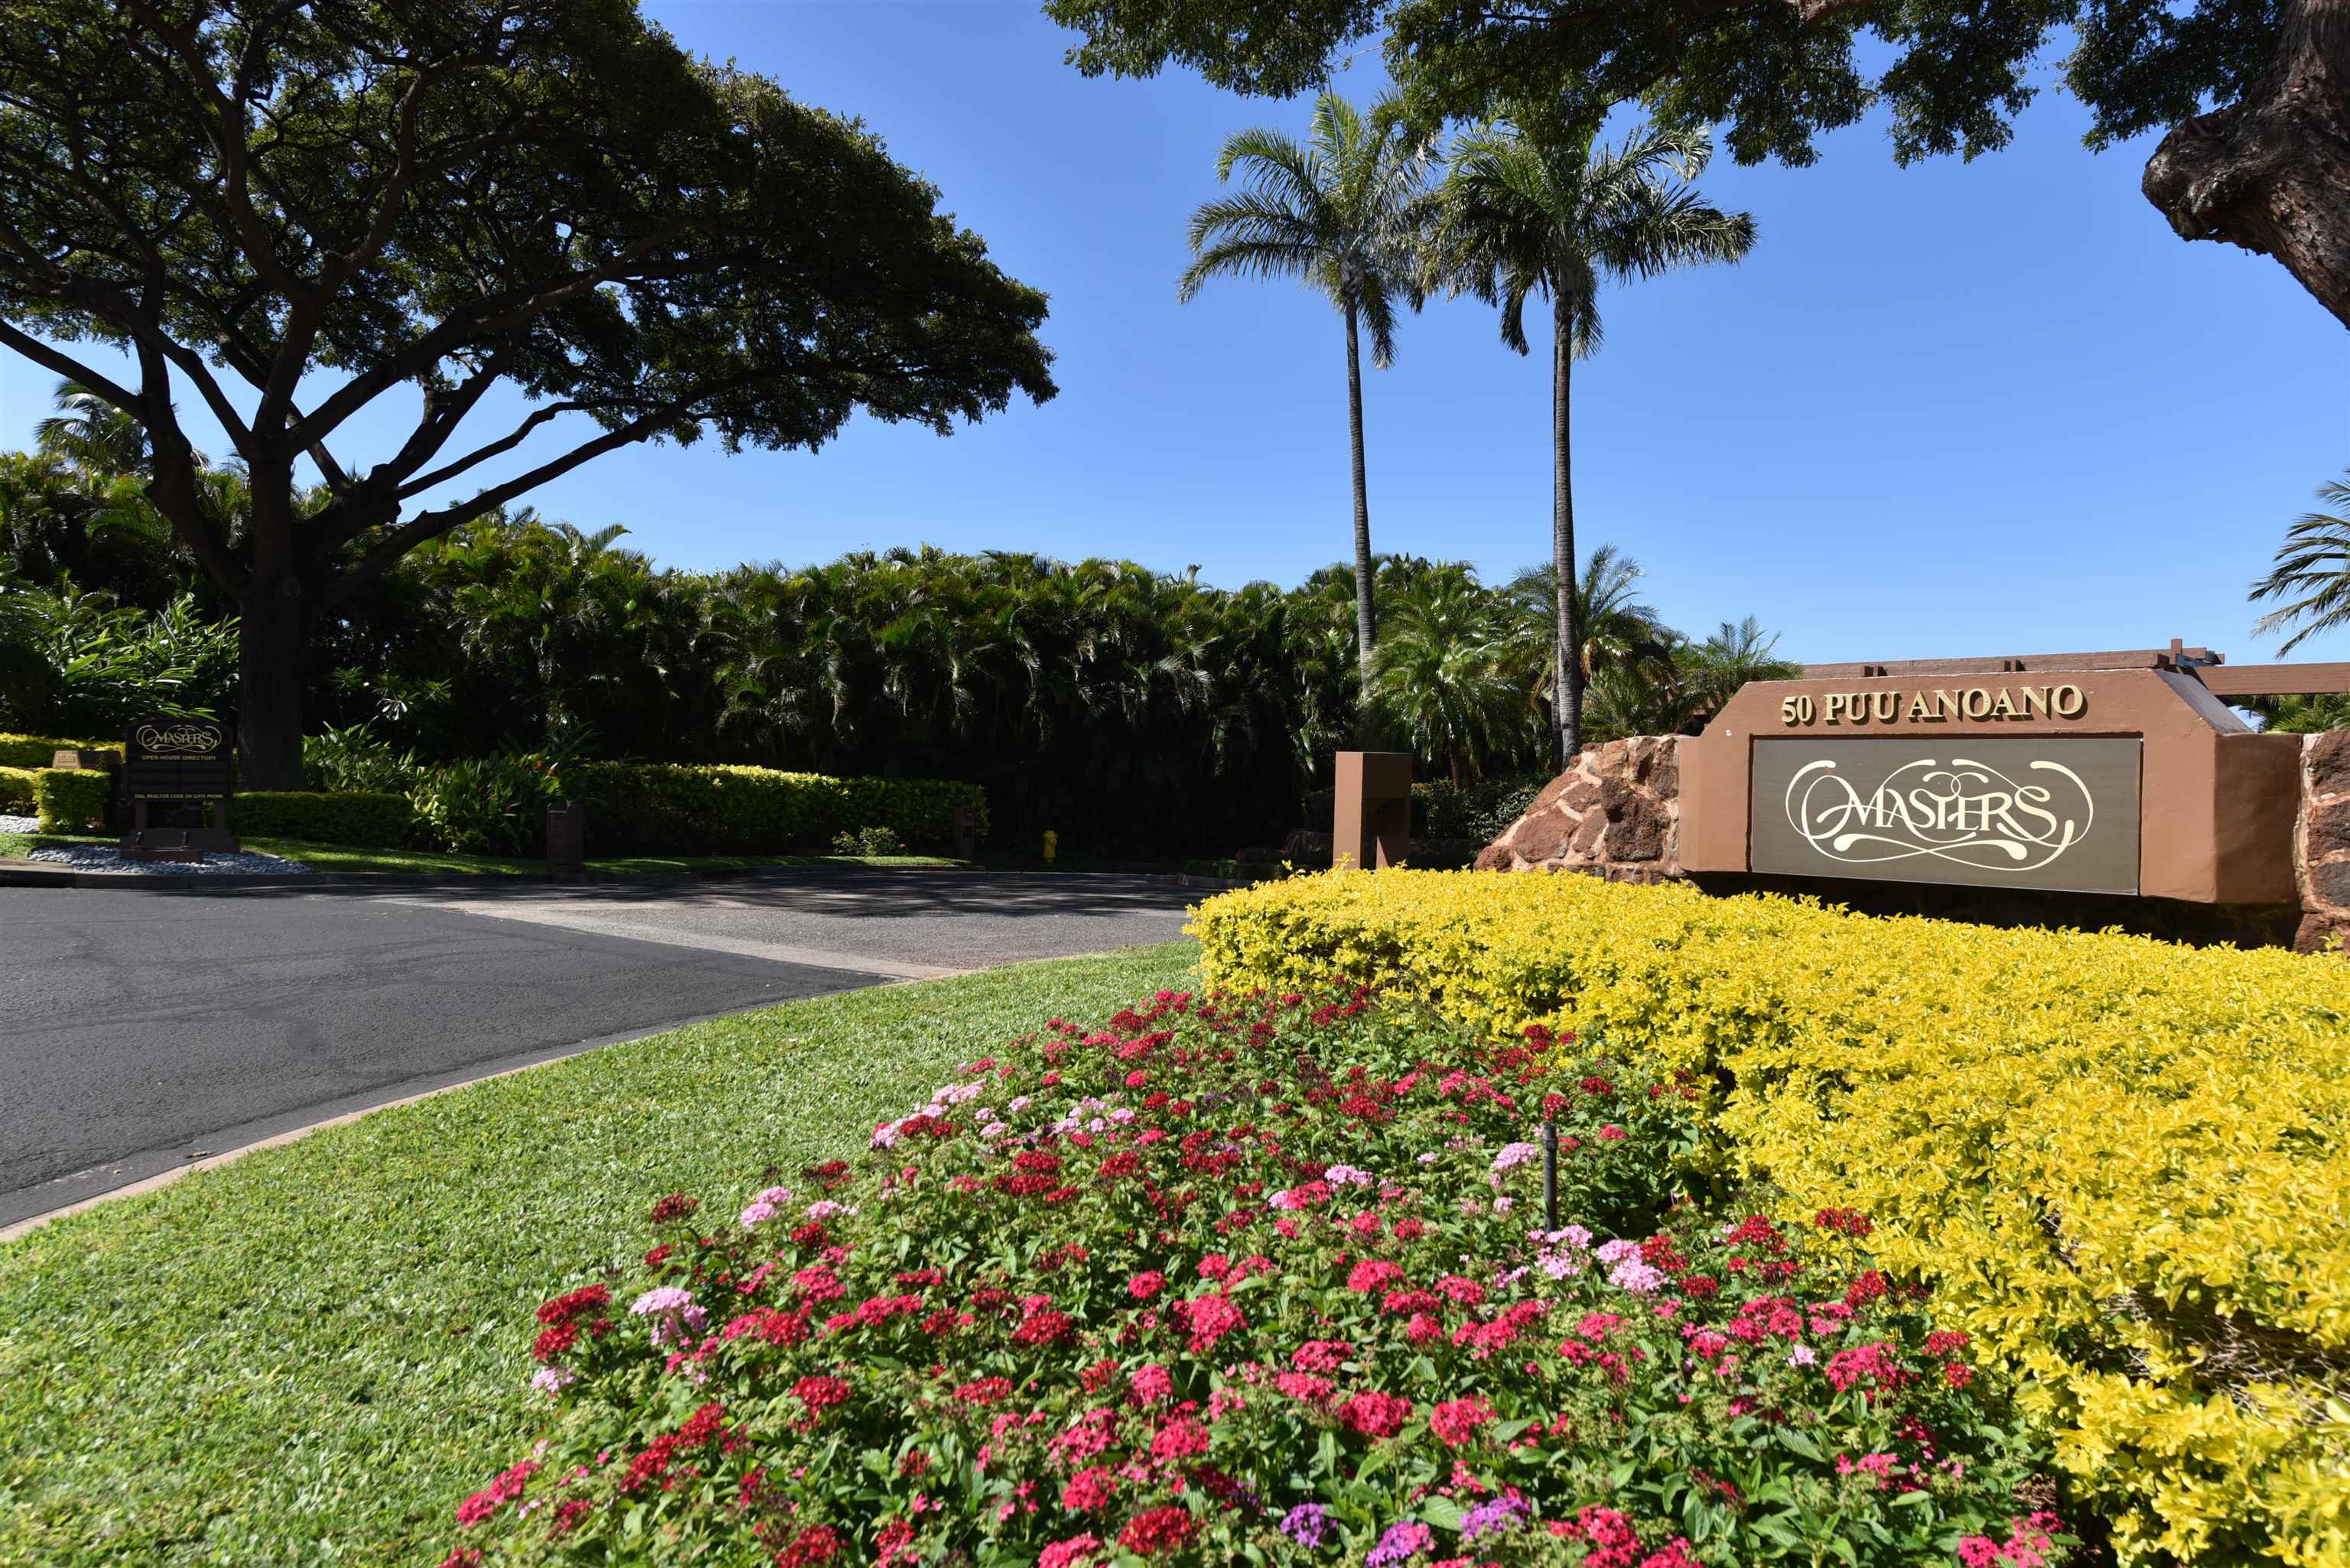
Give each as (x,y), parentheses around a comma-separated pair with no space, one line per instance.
(2021,664)
(2275,680)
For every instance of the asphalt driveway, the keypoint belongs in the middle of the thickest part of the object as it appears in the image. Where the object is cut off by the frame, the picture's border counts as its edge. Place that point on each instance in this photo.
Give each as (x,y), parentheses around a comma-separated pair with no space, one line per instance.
(141,1030)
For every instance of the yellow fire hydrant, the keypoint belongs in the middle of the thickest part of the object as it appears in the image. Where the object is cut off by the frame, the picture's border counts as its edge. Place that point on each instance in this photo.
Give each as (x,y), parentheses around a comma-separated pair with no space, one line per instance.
(1052,846)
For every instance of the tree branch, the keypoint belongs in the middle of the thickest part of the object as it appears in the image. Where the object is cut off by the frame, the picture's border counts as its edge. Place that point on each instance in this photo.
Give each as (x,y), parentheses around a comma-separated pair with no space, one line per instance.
(492,314)
(73,369)
(482,454)
(425,526)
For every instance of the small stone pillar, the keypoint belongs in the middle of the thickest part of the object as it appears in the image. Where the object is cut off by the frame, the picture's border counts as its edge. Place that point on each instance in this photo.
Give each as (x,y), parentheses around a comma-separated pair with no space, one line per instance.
(1372,824)
(566,840)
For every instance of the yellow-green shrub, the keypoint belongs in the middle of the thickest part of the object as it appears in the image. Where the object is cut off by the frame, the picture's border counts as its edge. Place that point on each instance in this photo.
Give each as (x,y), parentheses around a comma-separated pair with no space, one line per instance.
(70,800)
(653,808)
(40,751)
(16,791)
(2124,1164)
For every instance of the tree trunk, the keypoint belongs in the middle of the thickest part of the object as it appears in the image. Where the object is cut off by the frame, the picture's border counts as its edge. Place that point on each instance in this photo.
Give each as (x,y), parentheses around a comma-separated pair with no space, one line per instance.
(1364,628)
(274,627)
(273,631)
(2272,173)
(1566,654)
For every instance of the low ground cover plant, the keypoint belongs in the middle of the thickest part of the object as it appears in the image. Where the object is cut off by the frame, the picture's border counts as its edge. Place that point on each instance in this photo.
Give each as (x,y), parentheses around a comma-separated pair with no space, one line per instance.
(2122,1164)
(1267,1280)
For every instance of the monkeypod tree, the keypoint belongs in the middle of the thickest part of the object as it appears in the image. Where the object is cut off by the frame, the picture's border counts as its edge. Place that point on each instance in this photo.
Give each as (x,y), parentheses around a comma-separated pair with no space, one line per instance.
(300,214)
(2253,95)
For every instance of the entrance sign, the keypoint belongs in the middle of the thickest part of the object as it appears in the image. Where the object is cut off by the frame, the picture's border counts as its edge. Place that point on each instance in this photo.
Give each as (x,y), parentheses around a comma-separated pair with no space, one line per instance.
(178,759)
(169,762)
(2059,814)
(2130,778)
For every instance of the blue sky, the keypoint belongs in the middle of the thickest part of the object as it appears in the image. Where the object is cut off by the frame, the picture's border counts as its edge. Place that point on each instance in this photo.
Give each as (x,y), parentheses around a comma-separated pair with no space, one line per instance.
(1988,408)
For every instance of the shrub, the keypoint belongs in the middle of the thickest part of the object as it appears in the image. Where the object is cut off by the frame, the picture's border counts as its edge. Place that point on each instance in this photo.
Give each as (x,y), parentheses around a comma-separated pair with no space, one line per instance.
(354,758)
(2121,1164)
(487,805)
(40,751)
(371,821)
(866,841)
(1252,1281)
(71,800)
(648,808)
(16,791)
(1481,811)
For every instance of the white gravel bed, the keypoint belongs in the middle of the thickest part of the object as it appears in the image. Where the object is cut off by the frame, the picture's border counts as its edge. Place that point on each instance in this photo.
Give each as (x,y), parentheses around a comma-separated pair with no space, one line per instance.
(106,858)
(20,824)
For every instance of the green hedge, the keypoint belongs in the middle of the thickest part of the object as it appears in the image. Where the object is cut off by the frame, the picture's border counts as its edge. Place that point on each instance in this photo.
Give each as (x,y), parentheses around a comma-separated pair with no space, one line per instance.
(40,751)
(365,820)
(16,791)
(653,808)
(71,800)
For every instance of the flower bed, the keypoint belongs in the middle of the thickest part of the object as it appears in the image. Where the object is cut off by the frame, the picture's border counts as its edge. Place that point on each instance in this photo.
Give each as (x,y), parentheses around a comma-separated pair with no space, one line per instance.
(2123,1165)
(1265,1280)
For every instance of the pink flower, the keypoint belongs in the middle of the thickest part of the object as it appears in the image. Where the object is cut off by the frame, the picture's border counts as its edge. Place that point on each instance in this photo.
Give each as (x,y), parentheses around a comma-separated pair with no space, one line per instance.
(1373,1275)
(1304,1385)
(1180,1438)
(1319,1355)
(1152,1383)
(1146,1284)
(1209,1318)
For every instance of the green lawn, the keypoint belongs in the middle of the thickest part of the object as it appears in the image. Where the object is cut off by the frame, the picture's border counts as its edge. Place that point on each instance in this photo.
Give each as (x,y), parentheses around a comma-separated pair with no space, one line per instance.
(345,858)
(314,1354)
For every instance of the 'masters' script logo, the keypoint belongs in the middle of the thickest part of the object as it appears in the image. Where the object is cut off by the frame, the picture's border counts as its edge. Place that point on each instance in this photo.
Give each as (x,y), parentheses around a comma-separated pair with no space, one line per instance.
(1967,813)
(179,739)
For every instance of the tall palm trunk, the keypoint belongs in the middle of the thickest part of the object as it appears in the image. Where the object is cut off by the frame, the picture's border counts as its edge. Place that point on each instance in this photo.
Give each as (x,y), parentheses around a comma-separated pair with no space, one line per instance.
(1567,673)
(1363,626)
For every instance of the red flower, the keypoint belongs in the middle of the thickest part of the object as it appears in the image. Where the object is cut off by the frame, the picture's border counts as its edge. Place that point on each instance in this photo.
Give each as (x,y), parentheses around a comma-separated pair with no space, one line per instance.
(1075,1552)
(553,1342)
(816,1544)
(1155,1531)
(565,1308)
(491,1498)
(676,1206)
(1152,1383)
(1373,1275)
(1089,1488)
(1458,1421)
(821,1394)
(1375,1415)
(985,1391)
(1044,1327)
(1146,1284)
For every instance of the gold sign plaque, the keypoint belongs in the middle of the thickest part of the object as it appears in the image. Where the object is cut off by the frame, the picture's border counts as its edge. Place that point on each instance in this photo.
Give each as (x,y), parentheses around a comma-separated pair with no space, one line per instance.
(2057,813)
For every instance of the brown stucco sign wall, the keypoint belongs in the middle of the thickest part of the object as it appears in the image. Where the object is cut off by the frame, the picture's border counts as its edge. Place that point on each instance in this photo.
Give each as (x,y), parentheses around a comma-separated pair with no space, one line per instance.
(2057,813)
(2209,819)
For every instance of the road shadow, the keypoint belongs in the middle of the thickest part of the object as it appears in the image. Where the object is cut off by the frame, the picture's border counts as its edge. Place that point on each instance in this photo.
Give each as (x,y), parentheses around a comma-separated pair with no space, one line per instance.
(855,893)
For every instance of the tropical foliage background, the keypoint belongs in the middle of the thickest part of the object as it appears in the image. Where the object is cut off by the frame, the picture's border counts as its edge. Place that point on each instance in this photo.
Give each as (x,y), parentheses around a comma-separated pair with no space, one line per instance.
(1131,711)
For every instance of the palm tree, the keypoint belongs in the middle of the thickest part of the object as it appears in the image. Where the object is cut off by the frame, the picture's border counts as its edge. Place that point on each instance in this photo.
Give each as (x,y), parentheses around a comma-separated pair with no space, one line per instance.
(1711,672)
(1450,676)
(1543,211)
(97,438)
(1617,629)
(1343,212)
(2313,562)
